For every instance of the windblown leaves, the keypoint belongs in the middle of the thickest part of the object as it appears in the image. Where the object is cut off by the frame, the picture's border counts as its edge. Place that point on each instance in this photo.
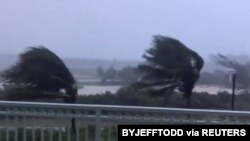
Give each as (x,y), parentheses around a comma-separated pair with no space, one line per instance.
(242,69)
(40,70)
(170,65)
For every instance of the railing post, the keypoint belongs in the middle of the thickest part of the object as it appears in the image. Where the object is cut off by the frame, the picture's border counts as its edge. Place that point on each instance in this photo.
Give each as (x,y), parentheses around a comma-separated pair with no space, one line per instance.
(16,129)
(98,125)
(42,133)
(1,130)
(24,129)
(7,126)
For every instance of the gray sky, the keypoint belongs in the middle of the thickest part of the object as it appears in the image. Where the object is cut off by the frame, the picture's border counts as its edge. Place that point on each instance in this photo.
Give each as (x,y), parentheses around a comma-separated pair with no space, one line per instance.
(123,29)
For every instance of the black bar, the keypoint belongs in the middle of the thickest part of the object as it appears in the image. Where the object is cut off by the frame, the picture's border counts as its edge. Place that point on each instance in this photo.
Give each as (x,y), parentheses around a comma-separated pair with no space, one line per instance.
(163,132)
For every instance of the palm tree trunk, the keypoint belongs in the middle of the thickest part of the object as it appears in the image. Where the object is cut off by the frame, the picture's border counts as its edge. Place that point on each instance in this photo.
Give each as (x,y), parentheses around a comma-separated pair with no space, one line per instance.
(189,117)
(73,120)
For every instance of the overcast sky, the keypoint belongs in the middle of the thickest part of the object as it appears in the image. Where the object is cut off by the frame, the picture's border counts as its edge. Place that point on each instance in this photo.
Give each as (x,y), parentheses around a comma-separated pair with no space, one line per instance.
(123,29)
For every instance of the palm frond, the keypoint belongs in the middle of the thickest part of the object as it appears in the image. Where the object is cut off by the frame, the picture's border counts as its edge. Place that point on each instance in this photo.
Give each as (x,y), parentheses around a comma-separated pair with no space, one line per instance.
(168,63)
(43,68)
(226,61)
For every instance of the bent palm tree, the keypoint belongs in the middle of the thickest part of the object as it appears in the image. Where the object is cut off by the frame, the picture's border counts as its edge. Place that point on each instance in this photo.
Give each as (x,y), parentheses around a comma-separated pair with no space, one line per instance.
(170,65)
(40,74)
(243,70)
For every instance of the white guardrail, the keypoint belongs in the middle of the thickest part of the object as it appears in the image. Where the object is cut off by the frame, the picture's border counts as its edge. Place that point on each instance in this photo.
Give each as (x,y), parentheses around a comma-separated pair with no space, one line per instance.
(33,121)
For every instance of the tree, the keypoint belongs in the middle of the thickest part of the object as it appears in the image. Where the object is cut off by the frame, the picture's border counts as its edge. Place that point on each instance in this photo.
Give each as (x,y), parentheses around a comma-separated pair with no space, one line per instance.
(170,65)
(242,70)
(100,73)
(128,74)
(110,74)
(40,74)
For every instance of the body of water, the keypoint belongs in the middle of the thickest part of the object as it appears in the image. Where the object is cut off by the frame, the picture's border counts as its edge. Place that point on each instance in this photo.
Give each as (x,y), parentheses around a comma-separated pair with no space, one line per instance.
(97,89)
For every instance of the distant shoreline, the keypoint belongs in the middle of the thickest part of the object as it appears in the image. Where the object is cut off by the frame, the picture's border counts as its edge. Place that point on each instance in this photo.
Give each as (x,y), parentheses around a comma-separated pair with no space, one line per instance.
(100,89)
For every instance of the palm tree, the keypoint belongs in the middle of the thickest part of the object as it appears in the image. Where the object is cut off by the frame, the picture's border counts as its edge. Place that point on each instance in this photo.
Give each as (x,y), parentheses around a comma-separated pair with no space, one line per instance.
(242,69)
(40,74)
(170,65)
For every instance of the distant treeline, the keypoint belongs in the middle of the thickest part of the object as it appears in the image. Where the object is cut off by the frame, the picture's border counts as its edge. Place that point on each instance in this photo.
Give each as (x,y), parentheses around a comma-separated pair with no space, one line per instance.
(129,74)
(112,75)
(133,97)
(218,77)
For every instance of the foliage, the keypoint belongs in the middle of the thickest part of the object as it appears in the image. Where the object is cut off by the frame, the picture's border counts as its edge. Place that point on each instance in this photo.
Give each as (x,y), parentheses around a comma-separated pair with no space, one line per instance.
(128,74)
(131,96)
(100,72)
(170,65)
(110,74)
(113,76)
(242,70)
(39,73)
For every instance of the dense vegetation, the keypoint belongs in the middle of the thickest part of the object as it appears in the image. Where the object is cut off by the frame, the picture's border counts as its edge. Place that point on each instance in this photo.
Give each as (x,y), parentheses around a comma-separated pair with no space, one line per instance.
(39,74)
(169,65)
(113,76)
(135,97)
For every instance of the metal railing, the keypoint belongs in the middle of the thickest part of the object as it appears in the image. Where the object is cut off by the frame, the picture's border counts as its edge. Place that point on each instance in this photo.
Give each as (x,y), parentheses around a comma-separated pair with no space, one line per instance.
(33,121)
